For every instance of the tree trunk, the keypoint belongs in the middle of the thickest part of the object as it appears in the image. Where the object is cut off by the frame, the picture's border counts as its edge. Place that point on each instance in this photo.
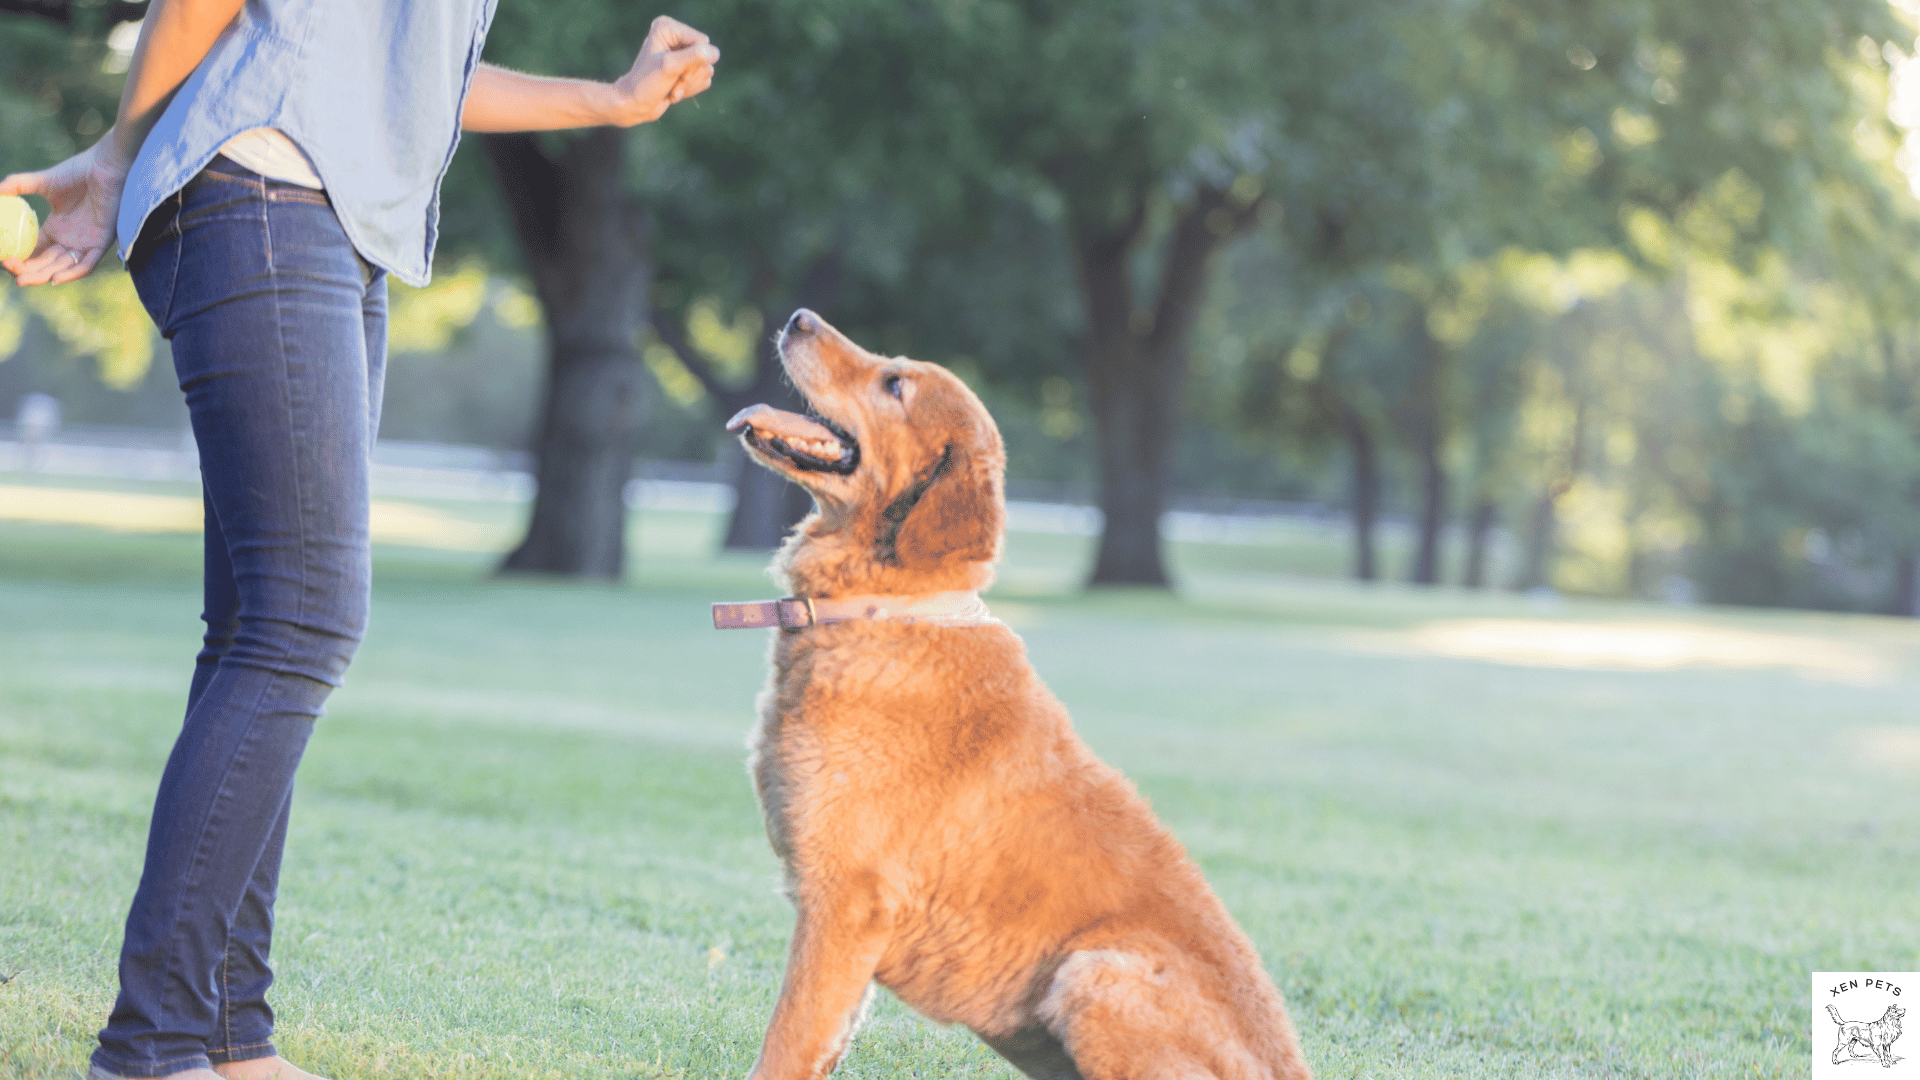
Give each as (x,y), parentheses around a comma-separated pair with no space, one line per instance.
(766,506)
(587,251)
(1129,422)
(1479,540)
(1538,552)
(1431,521)
(1427,436)
(1132,473)
(1136,361)
(1906,587)
(1366,492)
(1536,560)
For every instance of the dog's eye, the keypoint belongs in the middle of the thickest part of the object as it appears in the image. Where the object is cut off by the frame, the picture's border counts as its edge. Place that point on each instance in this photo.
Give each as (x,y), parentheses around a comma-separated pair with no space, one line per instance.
(891,384)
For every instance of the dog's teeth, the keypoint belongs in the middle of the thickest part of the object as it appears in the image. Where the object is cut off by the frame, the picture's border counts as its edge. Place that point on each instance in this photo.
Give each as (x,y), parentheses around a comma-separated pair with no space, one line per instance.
(823,449)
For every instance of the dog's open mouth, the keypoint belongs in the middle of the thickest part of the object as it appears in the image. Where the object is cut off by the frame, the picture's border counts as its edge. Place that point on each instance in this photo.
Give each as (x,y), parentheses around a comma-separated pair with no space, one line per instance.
(814,444)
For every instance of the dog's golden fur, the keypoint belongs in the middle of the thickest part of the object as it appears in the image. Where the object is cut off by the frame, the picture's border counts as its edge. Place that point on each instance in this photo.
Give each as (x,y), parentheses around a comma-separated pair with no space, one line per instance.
(944,831)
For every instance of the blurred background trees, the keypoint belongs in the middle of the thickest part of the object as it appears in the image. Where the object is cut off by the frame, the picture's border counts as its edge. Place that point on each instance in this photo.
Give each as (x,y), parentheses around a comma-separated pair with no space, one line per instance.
(1612,299)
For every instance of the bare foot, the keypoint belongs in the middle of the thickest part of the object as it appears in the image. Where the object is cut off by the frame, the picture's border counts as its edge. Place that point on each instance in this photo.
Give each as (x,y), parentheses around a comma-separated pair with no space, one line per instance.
(267,1068)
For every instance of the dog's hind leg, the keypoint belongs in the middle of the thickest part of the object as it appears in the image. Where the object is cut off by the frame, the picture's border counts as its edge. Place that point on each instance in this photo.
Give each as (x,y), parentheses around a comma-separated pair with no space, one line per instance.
(1847,1041)
(1124,1015)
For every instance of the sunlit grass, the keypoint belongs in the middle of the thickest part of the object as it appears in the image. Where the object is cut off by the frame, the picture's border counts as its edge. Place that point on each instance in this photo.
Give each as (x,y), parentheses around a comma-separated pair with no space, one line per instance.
(390,521)
(1473,836)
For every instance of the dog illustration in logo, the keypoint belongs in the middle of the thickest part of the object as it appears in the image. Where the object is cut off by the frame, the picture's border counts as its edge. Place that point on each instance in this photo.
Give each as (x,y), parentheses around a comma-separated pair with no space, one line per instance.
(1860,1040)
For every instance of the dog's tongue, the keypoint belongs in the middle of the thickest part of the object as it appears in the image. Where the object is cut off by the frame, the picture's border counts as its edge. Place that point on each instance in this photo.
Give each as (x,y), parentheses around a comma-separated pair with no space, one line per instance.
(795,430)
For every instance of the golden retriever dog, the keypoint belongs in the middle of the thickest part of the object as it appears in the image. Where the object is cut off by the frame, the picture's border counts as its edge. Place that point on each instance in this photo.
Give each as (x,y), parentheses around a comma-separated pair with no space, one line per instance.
(944,831)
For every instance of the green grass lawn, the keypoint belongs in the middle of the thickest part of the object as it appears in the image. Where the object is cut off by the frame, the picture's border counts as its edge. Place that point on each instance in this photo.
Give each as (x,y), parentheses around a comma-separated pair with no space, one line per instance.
(1472,836)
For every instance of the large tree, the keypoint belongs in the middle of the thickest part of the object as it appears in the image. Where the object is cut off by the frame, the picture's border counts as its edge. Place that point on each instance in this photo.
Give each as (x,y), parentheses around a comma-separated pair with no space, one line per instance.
(1162,132)
(583,241)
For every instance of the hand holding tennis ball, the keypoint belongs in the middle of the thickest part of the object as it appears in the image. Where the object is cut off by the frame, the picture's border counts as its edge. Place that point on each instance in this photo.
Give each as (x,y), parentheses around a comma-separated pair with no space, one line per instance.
(19,227)
(84,191)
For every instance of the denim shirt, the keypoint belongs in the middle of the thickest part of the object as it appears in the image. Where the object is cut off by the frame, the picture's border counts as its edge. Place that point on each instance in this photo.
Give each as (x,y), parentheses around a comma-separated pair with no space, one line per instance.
(371,89)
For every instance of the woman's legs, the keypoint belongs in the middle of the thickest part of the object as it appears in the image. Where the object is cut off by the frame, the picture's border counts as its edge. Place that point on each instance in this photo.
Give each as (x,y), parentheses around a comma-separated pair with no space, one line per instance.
(268,310)
(244,973)
(244,976)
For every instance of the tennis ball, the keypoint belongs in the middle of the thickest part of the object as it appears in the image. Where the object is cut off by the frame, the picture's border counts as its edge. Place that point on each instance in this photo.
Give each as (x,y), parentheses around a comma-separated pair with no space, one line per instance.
(19,228)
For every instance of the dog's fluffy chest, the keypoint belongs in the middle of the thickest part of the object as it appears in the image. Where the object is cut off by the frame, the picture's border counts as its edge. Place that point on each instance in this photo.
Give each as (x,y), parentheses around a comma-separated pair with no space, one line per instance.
(862,736)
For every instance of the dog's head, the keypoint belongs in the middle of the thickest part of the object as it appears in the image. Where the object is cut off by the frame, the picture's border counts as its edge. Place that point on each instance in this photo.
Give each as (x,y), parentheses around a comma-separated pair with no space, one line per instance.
(903,462)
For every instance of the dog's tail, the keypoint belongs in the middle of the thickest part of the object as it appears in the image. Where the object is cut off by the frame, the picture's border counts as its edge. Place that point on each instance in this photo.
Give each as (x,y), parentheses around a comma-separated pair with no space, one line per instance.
(1835,1013)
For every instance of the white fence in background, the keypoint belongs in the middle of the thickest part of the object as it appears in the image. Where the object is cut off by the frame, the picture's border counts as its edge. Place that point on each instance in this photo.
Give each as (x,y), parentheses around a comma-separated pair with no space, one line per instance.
(468,473)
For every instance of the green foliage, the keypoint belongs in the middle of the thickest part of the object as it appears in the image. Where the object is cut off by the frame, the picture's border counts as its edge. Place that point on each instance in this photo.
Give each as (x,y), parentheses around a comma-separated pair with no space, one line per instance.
(836,163)
(59,86)
(1586,114)
(922,172)
(1754,163)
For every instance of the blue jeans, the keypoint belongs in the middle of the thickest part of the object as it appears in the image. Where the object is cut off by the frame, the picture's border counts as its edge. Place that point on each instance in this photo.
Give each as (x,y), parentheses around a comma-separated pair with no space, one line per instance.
(279,341)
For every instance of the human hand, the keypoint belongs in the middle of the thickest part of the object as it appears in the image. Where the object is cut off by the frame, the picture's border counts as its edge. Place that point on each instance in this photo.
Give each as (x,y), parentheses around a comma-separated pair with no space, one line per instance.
(675,63)
(84,192)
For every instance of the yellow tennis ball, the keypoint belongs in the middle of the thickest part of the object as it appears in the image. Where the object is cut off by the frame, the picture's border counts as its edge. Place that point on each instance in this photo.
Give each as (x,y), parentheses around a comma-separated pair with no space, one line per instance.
(19,228)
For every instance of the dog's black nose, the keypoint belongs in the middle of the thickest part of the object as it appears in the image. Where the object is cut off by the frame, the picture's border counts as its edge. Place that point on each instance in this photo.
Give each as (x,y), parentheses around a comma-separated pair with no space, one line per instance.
(803,322)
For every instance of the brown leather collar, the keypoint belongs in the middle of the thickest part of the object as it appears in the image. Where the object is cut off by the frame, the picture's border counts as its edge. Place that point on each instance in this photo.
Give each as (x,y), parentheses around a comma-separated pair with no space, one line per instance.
(799,612)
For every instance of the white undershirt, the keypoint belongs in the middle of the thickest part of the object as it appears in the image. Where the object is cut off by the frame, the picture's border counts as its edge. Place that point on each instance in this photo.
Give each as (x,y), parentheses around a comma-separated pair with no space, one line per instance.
(270,153)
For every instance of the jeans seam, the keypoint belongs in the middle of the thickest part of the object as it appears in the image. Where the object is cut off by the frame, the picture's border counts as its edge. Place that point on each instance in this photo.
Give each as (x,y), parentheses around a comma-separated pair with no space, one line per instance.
(173,956)
(299,488)
(286,383)
(226,986)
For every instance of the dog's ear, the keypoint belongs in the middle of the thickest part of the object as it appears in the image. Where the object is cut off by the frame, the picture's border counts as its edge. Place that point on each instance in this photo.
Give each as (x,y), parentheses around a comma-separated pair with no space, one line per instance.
(951,511)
